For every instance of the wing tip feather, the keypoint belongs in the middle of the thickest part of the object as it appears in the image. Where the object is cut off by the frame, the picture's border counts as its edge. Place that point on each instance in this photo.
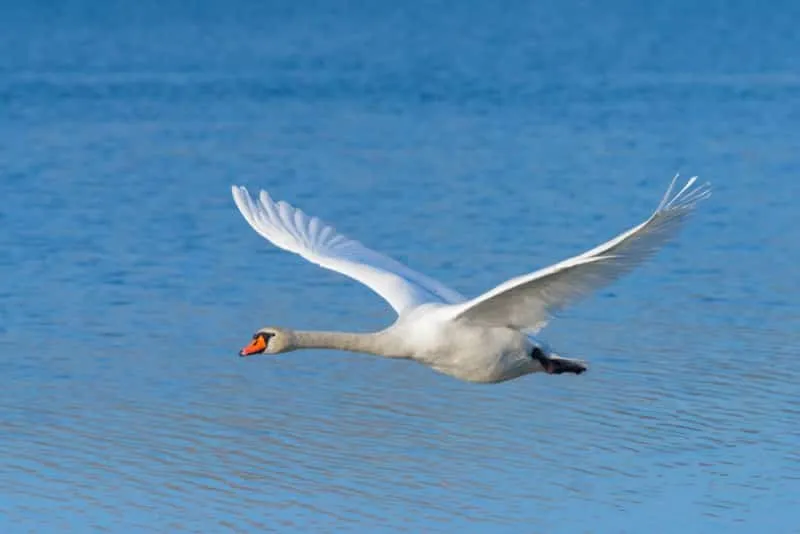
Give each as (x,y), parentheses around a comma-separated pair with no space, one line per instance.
(241,198)
(686,198)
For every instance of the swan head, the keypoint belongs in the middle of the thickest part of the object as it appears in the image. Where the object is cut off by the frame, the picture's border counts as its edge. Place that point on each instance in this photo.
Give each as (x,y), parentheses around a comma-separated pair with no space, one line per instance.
(269,340)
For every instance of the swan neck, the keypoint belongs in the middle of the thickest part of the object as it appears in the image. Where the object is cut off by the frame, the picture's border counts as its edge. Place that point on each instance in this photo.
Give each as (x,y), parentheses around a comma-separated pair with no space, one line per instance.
(377,343)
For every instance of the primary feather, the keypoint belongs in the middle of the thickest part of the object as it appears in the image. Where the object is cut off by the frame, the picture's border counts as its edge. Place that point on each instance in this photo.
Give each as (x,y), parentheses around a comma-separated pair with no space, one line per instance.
(527,302)
(309,237)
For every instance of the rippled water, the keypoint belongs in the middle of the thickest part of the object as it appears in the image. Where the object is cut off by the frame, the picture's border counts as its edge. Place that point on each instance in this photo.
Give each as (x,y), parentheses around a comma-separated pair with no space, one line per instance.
(473,142)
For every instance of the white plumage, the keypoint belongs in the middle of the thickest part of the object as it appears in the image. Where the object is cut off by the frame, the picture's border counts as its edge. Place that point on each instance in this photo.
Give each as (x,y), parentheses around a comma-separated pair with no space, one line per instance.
(485,339)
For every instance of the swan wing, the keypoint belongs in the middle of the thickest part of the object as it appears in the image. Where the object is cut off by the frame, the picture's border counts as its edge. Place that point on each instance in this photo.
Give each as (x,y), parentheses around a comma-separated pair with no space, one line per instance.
(529,301)
(289,228)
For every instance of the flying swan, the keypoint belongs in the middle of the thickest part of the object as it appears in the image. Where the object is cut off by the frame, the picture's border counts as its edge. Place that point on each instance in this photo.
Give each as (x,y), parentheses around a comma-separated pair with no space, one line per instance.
(489,338)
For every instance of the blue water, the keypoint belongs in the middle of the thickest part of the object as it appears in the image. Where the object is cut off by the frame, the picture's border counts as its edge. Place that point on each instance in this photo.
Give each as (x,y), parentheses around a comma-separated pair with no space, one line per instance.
(473,140)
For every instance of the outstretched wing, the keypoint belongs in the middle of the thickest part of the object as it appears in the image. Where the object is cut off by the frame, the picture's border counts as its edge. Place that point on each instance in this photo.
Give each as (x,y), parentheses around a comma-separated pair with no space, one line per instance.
(527,302)
(289,228)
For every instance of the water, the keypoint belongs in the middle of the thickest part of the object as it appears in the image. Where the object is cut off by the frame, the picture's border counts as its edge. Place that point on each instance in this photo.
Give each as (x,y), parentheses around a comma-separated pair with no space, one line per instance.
(473,141)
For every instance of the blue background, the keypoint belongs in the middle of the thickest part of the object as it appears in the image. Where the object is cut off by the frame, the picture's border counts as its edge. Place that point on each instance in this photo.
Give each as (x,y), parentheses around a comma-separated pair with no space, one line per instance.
(473,140)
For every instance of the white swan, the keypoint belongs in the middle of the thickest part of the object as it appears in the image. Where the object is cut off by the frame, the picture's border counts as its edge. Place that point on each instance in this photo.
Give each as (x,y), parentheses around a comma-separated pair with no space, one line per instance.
(489,338)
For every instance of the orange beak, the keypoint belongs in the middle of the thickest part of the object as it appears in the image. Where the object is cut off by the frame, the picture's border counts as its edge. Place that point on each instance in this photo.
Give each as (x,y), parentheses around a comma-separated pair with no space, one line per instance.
(256,346)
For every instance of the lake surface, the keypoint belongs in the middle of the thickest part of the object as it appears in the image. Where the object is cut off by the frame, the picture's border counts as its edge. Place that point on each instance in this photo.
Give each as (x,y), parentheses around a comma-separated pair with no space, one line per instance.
(475,141)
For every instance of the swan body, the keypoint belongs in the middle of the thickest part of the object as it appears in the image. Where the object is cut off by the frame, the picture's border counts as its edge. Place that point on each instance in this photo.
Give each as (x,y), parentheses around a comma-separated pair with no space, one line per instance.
(490,338)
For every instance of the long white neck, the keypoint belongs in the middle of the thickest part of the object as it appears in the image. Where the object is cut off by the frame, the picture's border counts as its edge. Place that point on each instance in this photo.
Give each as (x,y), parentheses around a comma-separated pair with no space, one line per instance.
(377,343)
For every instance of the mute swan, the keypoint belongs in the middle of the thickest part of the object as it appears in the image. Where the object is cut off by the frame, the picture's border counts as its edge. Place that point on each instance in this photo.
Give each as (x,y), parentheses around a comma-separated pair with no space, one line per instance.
(490,338)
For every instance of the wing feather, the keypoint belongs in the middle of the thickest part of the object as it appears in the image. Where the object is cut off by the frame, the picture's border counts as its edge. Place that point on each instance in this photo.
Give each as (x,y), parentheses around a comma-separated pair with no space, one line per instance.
(291,229)
(528,302)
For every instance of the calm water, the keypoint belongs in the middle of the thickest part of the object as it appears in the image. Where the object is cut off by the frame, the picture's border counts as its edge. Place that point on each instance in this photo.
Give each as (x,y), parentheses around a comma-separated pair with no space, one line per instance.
(473,141)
